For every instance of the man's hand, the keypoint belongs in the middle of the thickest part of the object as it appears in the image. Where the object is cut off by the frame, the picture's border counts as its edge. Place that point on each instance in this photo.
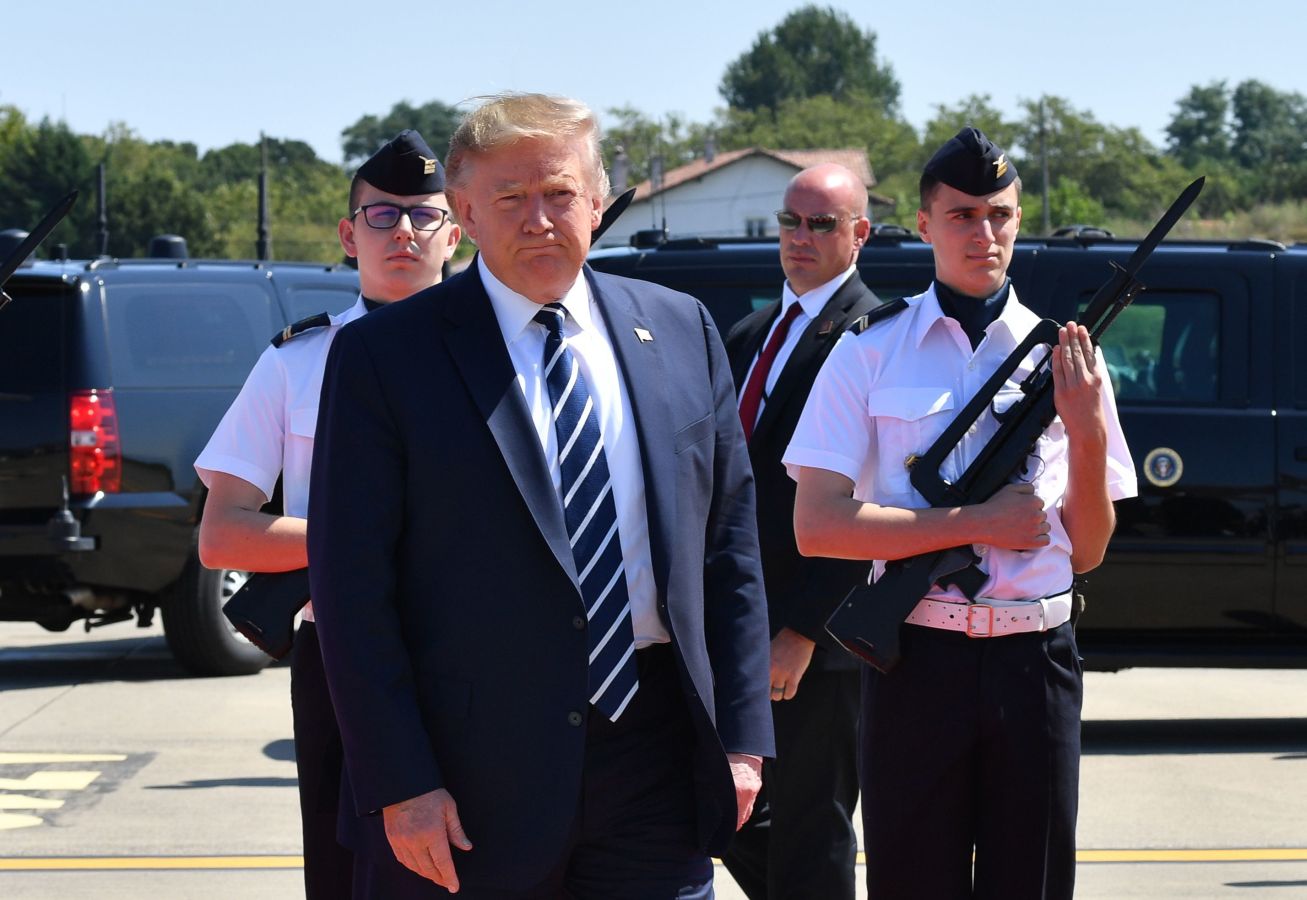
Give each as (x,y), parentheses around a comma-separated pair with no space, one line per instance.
(1014,519)
(421,830)
(1077,385)
(746,771)
(791,653)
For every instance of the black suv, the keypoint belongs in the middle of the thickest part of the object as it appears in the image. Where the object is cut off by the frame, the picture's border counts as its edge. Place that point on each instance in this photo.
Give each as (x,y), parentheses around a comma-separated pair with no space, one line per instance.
(113,374)
(1208,566)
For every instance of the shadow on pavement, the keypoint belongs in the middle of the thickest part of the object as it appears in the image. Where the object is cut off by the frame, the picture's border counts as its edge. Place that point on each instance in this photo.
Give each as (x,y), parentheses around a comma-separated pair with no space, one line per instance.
(281,750)
(266,781)
(1149,736)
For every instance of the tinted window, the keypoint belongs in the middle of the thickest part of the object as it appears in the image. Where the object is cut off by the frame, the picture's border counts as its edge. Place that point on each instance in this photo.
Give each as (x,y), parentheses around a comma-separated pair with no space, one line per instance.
(187,335)
(1166,347)
(30,341)
(309,300)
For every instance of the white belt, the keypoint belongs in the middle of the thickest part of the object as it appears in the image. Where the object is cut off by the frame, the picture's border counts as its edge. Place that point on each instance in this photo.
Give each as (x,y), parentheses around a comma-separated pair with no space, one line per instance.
(992,618)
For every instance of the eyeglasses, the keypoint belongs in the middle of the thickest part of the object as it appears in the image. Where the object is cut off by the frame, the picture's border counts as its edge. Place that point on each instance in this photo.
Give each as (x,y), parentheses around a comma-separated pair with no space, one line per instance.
(822,224)
(386,216)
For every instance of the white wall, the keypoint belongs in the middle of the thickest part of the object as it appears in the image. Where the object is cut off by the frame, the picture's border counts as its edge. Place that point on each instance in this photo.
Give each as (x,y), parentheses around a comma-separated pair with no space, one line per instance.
(715,205)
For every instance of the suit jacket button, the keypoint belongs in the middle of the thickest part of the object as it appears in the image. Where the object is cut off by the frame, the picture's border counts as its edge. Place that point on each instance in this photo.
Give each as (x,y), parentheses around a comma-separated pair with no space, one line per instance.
(578,623)
(575,718)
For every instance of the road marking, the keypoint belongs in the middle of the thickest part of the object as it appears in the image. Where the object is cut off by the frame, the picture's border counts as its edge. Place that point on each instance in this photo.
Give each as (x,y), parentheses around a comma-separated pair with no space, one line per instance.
(10,821)
(19,801)
(28,759)
(110,863)
(105,863)
(50,781)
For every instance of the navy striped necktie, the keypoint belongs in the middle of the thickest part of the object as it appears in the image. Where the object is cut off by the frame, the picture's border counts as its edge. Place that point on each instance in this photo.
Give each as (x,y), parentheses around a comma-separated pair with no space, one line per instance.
(591,517)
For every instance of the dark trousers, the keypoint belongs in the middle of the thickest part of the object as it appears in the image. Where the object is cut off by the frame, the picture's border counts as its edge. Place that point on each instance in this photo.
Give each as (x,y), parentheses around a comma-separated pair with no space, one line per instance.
(328,867)
(800,843)
(635,836)
(972,745)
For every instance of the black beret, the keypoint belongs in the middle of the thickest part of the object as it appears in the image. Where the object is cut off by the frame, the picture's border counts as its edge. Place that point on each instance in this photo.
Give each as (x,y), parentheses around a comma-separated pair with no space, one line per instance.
(404,165)
(972,163)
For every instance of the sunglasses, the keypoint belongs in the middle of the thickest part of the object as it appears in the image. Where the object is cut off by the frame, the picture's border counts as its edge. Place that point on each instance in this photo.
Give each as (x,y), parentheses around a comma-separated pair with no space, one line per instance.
(385,216)
(822,224)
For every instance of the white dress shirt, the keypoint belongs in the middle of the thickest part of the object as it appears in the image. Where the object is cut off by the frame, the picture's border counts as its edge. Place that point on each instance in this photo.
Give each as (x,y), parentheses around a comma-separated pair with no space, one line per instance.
(891,391)
(587,337)
(811,304)
(268,430)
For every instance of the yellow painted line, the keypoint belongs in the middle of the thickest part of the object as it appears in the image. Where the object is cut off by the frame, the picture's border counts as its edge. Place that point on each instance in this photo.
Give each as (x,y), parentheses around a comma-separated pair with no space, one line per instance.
(49,781)
(27,759)
(20,801)
(106,863)
(1241,854)
(110,863)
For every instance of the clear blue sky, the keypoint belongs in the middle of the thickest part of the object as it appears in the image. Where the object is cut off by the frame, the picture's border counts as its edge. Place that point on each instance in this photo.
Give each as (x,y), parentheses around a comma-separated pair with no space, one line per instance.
(214,74)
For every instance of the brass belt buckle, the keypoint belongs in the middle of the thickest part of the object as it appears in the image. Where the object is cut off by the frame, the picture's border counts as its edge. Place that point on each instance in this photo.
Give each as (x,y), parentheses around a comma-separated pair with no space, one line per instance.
(972,623)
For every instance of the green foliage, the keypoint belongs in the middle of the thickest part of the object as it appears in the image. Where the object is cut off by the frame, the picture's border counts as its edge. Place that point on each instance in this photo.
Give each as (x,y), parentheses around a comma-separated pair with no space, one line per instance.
(814,50)
(435,121)
(643,139)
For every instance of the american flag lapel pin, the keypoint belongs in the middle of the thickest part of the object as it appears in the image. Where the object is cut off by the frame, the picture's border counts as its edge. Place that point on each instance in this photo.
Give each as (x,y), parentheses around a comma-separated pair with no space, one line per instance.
(644,334)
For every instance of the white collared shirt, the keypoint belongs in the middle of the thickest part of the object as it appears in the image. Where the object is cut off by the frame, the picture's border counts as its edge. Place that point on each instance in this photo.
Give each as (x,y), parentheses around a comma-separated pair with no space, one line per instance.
(891,391)
(268,429)
(811,304)
(587,337)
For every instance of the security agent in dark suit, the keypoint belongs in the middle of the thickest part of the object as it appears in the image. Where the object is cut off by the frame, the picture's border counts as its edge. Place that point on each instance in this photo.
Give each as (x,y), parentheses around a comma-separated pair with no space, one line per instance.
(800,841)
(534,557)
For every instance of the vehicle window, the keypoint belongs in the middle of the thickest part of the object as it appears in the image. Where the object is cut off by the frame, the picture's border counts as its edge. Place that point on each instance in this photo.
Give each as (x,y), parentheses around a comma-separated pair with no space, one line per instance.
(188,335)
(309,300)
(30,334)
(1165,347)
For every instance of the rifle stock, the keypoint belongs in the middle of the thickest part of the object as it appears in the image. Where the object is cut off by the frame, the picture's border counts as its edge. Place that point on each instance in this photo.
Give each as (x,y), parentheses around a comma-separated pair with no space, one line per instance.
(868,622)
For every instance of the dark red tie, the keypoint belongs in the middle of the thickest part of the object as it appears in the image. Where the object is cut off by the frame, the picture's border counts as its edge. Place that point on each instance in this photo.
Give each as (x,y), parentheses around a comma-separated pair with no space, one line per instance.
(751,399)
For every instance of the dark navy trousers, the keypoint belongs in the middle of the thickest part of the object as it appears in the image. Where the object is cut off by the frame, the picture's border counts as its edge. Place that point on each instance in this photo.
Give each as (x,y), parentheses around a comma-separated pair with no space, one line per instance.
(328,867)
(636,833)
(972,745)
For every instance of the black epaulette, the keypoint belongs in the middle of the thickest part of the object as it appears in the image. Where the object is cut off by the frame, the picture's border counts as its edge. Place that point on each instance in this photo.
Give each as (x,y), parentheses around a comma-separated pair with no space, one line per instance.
(319,321)
(884,311)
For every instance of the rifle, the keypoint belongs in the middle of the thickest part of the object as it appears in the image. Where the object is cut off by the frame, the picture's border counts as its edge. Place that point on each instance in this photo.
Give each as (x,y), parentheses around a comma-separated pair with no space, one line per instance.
(867,623)
(32,241)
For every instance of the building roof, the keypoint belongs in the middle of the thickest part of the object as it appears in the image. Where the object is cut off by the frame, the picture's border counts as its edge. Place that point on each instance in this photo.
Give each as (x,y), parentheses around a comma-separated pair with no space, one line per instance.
(854,160)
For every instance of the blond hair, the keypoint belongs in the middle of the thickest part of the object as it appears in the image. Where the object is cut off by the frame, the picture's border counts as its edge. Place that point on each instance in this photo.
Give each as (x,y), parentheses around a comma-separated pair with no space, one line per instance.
(506,118)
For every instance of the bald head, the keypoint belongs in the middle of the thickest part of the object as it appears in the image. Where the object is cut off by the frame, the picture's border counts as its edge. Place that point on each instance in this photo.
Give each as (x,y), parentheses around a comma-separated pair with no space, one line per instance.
(813,258)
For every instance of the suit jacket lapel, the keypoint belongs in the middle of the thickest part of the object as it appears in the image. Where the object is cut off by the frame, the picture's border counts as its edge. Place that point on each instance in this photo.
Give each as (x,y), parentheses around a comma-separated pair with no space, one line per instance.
(821,333)
(476,345)
(753,329)
(643,369)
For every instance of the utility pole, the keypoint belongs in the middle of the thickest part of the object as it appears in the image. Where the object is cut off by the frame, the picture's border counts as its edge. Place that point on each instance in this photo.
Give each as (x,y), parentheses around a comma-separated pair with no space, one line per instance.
(102,213)
(1043,165)
(263,245)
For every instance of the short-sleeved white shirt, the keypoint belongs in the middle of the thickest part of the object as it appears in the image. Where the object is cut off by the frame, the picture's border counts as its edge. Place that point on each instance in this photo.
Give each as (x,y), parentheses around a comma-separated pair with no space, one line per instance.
(268,430)
(891,391)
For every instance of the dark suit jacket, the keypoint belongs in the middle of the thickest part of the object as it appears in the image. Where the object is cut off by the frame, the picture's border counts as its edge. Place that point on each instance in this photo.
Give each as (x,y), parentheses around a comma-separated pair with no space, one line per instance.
(802,592)
(451,623)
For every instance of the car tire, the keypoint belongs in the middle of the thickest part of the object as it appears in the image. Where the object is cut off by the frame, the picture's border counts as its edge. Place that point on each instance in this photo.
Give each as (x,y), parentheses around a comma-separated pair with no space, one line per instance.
(199,635)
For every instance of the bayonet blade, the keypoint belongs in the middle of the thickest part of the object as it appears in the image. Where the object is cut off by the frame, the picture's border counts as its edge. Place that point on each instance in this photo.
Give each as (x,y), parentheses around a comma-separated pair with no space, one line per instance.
(1163,227)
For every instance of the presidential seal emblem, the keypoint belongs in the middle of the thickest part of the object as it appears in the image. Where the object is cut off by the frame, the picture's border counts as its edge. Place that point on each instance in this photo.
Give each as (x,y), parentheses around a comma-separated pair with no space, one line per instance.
(1163,467)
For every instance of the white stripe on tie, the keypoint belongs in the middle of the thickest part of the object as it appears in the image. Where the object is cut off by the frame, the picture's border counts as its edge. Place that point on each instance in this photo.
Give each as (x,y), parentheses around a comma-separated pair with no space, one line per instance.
(599,553)
(590,613)
(589,464)
(576,433)
(580,529)
(613,674)
(595,652)
(621,707)
(567,392)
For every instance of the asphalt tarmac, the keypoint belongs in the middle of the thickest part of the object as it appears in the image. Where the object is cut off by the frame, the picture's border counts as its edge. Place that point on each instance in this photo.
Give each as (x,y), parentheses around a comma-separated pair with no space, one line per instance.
(120,776)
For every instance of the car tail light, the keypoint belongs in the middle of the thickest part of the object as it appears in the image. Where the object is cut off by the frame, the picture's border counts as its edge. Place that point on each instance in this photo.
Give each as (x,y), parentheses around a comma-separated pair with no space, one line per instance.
(95,459)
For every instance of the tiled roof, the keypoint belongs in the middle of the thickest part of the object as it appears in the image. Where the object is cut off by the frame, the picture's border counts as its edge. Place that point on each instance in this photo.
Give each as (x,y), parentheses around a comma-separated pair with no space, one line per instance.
(852,159)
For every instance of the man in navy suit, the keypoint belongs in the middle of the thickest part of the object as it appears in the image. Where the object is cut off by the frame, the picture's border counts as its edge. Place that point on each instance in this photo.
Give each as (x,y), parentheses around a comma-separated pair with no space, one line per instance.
(534,556)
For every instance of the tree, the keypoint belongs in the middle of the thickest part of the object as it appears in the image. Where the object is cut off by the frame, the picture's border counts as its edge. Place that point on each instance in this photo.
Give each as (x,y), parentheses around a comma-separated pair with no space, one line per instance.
(38,166)
(977,110)
(814,50)
(1200,128)
(642,139)
(435,121)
